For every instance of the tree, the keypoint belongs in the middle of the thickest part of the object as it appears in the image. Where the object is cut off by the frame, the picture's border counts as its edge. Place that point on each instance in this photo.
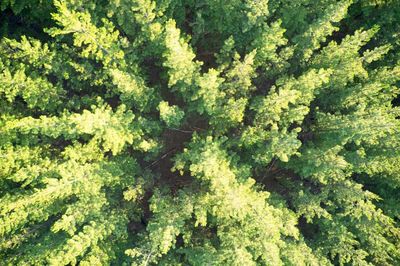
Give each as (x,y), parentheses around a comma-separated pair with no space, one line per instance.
(140,132)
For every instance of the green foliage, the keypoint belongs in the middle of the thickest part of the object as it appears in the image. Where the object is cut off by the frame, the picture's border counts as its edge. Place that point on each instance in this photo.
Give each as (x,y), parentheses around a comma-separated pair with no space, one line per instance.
(319,29)
(199,132)
(171,115)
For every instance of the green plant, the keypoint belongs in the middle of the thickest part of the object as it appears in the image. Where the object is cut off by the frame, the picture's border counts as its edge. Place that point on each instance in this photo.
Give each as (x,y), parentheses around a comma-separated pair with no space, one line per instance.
(171,132)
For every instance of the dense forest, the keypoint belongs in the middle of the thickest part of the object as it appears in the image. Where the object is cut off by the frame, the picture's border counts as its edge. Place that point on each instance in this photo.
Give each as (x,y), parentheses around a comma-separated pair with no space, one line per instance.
(200,132)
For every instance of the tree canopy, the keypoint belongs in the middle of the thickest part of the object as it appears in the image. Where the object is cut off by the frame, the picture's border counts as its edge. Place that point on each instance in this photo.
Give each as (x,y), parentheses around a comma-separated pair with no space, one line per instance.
(181,132)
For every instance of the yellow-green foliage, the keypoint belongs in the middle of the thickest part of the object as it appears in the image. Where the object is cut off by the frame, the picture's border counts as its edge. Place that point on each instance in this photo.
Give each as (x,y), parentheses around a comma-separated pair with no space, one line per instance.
(213,132)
